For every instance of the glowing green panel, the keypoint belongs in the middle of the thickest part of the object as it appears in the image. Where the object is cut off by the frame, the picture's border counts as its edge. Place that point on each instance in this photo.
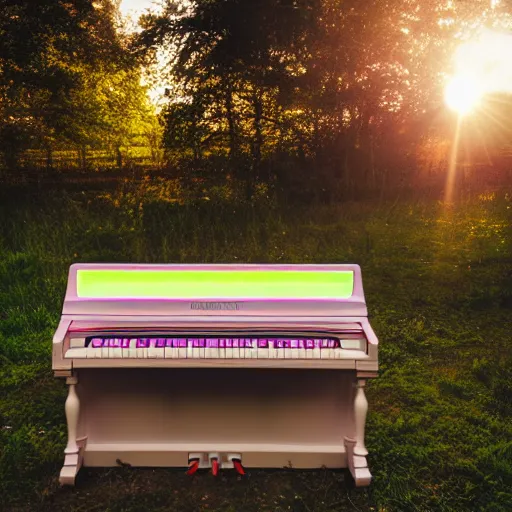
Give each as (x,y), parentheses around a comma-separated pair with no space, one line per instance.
(215,284)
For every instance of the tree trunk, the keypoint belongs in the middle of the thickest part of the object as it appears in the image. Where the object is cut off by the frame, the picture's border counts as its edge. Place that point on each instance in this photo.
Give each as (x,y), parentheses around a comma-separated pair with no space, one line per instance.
(231,123)
(258,136)
(119,157)
(83,156)
(49,157)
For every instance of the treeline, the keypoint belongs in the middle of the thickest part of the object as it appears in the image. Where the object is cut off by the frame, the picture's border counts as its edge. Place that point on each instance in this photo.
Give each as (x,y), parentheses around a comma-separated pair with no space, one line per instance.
(334,95)
(339,97)
(68,81)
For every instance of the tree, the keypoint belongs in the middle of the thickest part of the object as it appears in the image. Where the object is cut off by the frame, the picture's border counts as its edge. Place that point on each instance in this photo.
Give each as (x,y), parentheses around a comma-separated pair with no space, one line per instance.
(40,75)
(336,83)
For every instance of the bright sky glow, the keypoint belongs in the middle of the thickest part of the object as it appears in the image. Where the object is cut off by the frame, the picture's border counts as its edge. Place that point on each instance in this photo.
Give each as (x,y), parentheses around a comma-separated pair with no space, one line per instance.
(134,8)
(131,10)
(463,93)
(482,66)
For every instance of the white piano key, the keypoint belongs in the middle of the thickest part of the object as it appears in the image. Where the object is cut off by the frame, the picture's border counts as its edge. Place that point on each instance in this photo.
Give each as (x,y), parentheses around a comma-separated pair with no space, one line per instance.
(241,348)
(281,353)
(222,353)
(254,348)
(182,353)
(153,352)
(131,352)
(273,351)
(248,351)
(91,352)
(214,353)
(168,352)
(77,343)
(302,353)
(104,352)
(116,352)
(76,353)
(195,352)
(201,351)
(229,348)
(263,353)
(316,352)
(245,350)
(294,351)
(189,351)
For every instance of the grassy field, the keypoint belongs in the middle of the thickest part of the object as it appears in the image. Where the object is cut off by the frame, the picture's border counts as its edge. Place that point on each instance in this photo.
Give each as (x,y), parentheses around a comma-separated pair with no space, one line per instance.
(438,283)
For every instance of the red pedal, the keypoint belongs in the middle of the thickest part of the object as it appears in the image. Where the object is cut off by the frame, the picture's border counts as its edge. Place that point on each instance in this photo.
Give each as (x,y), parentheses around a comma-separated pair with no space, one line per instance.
(215,467)
(193,466)
(238,466)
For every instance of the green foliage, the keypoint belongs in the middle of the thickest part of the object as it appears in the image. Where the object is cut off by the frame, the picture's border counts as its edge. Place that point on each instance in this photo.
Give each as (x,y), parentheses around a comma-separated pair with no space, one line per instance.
(437,285)
(65,76)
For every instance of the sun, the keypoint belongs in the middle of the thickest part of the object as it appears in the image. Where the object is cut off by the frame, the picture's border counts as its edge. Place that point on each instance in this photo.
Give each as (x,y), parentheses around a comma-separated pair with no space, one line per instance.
(463,94)
(481,67)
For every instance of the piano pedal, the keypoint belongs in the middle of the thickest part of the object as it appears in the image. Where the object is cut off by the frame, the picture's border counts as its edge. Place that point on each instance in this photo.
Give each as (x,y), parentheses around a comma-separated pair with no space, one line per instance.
(237,464)
(215,467)
(193,466)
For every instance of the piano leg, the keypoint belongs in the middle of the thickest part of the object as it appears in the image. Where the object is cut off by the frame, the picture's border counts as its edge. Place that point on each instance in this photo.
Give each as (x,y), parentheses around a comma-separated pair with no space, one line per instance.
(74,449)
(355,448)
(360,410)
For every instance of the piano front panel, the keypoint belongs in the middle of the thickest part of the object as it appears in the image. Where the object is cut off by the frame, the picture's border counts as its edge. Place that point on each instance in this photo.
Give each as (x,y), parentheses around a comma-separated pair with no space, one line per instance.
(216,406)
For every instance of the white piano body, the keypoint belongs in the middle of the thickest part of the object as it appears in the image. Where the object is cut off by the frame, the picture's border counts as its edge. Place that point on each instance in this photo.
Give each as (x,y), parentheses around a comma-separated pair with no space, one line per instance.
(166,364)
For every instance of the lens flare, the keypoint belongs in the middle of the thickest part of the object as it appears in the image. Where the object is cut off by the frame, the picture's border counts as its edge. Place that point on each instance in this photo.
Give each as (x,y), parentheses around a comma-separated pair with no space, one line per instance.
(482,66)
(463,93)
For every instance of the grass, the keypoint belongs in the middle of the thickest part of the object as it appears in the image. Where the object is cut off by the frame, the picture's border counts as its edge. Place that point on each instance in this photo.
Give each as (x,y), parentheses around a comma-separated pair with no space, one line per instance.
(438,283)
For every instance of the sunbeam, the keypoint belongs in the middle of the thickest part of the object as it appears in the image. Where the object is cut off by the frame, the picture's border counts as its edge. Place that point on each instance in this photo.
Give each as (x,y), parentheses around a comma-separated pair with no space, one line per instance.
(452,169)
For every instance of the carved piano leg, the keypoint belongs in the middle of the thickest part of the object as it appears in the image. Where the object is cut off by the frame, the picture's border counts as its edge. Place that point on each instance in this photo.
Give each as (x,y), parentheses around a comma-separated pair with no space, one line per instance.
(355,448)
(74,449)
(360,410)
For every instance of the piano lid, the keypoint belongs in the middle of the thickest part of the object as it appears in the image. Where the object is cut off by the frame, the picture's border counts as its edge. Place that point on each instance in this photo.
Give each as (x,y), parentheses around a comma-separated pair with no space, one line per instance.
(176,290)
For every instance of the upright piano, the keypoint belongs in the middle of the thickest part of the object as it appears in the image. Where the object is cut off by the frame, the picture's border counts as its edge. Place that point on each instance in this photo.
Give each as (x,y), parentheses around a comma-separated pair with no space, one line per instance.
(215,366)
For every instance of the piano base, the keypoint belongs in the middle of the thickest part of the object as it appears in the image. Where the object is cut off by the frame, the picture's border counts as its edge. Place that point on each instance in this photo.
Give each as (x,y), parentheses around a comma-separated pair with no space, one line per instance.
(254,455)
(157,417)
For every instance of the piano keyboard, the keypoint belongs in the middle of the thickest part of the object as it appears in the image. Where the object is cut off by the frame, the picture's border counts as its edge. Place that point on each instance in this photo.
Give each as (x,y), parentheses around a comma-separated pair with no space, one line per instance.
(212,348)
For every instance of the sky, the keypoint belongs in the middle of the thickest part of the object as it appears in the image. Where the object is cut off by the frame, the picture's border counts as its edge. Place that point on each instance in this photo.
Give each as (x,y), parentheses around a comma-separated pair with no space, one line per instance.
(135,7)
(132,9)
